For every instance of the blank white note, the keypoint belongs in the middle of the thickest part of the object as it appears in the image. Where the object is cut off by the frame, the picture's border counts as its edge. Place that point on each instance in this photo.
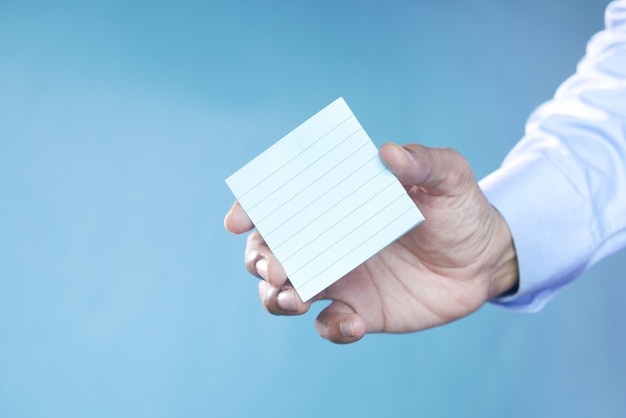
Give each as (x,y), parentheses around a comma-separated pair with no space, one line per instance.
(322,199)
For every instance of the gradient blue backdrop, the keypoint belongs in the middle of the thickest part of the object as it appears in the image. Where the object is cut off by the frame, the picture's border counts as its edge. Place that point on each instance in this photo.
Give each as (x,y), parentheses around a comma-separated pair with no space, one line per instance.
(121,295)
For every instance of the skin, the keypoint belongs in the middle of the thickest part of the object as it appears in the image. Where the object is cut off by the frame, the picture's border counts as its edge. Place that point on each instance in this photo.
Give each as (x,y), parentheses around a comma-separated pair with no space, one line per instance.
(447,267)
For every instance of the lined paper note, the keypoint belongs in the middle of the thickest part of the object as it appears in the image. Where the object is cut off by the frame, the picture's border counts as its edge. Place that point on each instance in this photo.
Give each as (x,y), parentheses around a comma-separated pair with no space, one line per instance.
(322,199)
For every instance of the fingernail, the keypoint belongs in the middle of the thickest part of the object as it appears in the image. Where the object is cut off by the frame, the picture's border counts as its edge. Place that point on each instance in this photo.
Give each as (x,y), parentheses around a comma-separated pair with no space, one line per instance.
(287,301)
(346,328)
(405,151)
(261,268)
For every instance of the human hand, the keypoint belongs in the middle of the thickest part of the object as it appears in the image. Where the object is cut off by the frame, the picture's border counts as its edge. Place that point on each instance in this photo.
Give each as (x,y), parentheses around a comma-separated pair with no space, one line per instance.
(444,269)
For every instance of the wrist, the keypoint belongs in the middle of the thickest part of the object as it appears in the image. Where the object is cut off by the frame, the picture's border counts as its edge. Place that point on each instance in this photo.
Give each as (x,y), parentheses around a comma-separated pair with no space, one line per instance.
(504,278)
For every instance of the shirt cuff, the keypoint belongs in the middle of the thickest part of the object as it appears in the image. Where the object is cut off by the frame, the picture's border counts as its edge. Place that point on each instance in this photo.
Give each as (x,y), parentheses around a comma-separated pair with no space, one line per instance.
(544,211)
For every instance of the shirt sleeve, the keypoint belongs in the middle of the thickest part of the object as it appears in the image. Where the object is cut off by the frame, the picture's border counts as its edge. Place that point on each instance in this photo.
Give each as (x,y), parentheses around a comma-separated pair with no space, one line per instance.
(562,188)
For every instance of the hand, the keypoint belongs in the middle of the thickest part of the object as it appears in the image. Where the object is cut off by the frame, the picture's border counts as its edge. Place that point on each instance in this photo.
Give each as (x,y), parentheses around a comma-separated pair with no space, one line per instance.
(444,269)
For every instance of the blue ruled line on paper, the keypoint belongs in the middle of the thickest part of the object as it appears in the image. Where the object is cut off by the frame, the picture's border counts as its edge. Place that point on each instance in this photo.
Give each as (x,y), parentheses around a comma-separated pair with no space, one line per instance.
(322,199)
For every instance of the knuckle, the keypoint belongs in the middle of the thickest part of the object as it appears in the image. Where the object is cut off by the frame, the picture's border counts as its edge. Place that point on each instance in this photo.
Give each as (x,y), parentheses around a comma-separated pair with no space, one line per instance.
(253,252)
(251,258)
(460,172)
(250,262)
(267,296)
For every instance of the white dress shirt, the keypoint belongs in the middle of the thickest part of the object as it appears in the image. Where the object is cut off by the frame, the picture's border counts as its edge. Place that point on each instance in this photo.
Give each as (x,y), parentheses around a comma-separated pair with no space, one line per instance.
(562,189)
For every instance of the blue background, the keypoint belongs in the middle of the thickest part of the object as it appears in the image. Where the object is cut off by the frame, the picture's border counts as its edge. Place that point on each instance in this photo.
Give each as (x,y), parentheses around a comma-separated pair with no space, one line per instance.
(122,295)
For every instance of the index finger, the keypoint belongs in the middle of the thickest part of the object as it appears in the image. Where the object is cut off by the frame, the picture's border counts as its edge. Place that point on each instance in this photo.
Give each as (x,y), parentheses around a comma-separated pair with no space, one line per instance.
(237,220)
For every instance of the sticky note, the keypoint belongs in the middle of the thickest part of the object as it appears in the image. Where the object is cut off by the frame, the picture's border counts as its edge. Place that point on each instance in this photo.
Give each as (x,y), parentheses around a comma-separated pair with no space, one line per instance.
(323,200)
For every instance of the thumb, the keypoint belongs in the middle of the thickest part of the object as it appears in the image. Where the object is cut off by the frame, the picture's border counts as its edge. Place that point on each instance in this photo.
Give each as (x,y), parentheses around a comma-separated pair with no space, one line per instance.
(438,171)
